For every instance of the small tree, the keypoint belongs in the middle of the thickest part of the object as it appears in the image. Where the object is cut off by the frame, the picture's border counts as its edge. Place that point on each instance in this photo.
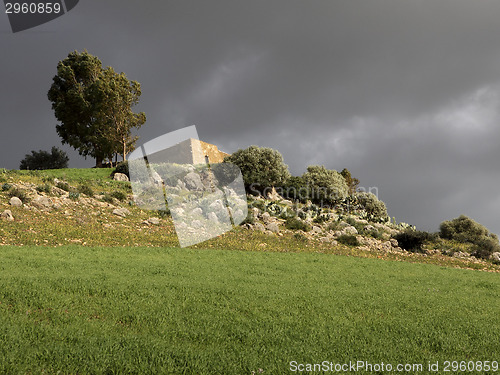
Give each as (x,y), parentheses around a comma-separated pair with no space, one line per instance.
(56,159)
(352,182)
(374,207)
(261,167)
(464,229)
(325,185)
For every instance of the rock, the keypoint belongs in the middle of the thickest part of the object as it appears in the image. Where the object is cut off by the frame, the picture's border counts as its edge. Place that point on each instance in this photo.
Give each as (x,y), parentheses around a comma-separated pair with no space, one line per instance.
(153,220)
(121,177)
(386,246)
(316,229)
(217,206)
(41,202)
(394,242)
(460,254)
(259,226)
(213,217)
(273,227)
(156,178)
(7,215)
(349,230)
(123,212)
(193,181)
(266,217)
(180,185)
(196,224)
(197,211)
(326,239)
(495,257)
(273,195)
(16,202)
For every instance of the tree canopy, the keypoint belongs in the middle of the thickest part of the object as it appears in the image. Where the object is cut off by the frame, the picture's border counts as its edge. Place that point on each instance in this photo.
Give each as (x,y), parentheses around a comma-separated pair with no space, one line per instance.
(56,159)
(93,106)
(261,167)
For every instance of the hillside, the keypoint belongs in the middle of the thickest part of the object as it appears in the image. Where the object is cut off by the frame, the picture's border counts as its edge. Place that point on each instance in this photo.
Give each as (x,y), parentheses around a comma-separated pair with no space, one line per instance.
(86,207)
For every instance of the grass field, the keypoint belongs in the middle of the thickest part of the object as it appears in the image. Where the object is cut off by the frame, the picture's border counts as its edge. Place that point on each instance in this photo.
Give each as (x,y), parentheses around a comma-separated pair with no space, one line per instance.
(95,310)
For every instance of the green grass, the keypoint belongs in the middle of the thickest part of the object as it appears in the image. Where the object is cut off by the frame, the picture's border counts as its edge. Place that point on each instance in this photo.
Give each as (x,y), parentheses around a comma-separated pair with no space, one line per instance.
(68,174)
(97,310)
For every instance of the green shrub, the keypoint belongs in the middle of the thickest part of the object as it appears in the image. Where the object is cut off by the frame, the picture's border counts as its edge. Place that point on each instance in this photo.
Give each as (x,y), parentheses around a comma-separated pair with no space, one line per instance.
(64,186)
(374,207)
(56,159)
(21,194)
(261,168)
(122,167)
(325,186)
(87,190)
(74,195)
(6,187)
(412,240)
(464,229)
(45,188)
(120,195)
(322,218)
(108,198)
(300,237)
(334,226)
(293,223)
(484,247)
(348,239)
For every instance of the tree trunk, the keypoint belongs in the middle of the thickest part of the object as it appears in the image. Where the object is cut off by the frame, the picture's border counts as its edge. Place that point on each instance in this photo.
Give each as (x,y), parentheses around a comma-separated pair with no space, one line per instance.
(98,162)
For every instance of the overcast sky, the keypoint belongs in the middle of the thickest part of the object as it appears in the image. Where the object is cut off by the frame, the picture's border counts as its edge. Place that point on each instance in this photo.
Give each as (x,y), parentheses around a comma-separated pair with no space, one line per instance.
(405,94)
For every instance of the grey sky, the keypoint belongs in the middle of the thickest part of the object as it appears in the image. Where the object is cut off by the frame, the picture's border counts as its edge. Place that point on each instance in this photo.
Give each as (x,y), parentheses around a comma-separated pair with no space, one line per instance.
(405,94)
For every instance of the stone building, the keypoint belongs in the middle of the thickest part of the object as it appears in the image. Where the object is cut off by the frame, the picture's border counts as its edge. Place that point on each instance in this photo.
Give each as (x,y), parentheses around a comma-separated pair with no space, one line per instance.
(190,151)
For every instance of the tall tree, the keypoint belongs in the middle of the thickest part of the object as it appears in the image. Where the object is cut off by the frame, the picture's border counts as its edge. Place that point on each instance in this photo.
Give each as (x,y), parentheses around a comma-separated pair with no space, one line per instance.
(117,95)
(83,95)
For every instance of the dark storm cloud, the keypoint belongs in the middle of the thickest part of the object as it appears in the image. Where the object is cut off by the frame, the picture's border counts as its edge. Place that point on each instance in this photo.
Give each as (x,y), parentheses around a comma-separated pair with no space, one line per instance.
(403,93)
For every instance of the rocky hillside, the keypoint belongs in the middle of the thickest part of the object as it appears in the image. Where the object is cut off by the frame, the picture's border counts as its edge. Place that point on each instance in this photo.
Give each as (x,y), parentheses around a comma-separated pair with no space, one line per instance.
(53,212)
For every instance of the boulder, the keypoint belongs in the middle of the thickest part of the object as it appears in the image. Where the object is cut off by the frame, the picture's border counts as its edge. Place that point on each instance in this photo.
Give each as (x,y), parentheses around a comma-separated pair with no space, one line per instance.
(273,227)
(120,177)
(259,226)
(394,242)
(316,229)
(16,202)
(349,230)
(122,212)
(193,181)
(154,221)
(495,257)
(7,215)
(266,217)
(213,217)
(273,195)
(197,211)
(41,202)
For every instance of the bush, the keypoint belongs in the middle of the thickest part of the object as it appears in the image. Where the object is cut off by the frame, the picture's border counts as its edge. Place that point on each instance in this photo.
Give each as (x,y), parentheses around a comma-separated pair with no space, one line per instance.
(295,189)
(108,198)
(6,187)
(45,188)
(325,186)
(63,186)
(261,168)
(464,229)
(74,195)
(293,223)
(352,183)
(485,247)
(21,194)
(56,159)
(122,167)
(374,207)
(121,196)
(412,240)
(348,239)
(87,190)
